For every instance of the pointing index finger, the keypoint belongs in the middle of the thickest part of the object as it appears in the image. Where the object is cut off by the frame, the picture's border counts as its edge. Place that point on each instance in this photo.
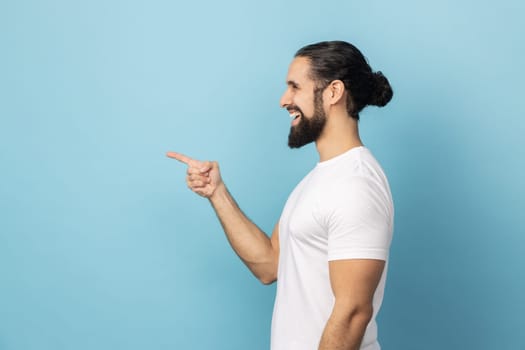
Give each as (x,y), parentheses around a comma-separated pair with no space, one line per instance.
(180,157)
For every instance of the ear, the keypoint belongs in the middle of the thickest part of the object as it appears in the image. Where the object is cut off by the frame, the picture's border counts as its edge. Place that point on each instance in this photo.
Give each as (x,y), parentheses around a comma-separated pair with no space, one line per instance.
(335,92)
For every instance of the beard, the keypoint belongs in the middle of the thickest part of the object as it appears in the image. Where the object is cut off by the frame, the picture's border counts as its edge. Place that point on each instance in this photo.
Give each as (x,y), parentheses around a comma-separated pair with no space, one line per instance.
(308,129)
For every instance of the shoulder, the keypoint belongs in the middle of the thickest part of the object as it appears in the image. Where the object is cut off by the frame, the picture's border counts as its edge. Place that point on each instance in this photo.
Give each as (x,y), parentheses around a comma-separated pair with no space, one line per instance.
(354,179)
(356,172)
(353,191)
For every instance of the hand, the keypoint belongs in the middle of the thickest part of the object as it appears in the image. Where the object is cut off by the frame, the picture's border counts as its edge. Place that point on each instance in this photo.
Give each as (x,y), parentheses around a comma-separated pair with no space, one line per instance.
(203,177)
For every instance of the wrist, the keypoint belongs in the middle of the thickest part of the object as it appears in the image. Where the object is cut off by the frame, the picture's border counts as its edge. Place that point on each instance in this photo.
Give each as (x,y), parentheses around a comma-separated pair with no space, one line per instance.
(220,193)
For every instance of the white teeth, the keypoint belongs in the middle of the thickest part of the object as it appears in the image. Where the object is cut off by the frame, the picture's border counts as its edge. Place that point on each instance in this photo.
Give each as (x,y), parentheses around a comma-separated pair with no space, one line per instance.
(294,115)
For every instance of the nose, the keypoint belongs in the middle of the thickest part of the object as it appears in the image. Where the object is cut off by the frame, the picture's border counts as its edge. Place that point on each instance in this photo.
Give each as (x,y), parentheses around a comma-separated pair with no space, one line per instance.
(285,99)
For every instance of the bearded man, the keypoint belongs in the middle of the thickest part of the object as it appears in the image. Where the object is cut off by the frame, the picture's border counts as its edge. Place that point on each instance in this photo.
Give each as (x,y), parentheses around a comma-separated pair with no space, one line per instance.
(329,250)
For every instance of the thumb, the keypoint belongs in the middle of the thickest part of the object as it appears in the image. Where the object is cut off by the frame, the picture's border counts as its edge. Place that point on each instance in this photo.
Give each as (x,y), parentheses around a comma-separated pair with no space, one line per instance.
(205,167)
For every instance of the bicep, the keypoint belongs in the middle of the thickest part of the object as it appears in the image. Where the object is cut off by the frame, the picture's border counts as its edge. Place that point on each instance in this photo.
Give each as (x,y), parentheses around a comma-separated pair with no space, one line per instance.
(354,281)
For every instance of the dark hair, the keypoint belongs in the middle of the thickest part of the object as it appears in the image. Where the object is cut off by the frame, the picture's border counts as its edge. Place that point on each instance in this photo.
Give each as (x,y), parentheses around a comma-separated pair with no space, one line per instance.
(339,60)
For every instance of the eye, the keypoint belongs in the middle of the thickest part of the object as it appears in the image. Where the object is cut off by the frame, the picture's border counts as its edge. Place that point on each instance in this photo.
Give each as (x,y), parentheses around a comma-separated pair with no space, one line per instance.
(292,85)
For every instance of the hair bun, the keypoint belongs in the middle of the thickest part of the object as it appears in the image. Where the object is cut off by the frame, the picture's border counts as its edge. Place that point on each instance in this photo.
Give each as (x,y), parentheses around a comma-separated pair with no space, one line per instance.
(382,91)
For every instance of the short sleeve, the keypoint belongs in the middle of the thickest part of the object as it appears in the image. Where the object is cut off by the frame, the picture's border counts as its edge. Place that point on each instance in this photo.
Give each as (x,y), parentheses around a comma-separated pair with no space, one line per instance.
(359,220)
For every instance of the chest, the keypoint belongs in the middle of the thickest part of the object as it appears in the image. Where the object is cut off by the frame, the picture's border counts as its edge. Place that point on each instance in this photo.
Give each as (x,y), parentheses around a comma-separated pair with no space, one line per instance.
(300,221)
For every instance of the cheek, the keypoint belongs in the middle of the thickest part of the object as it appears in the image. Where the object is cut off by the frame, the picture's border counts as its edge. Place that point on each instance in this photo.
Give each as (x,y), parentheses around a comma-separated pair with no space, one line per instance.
(306,106)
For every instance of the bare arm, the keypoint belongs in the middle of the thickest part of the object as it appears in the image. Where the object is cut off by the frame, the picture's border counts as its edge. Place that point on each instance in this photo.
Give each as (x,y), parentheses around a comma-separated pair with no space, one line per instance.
(353,283)
(252,245)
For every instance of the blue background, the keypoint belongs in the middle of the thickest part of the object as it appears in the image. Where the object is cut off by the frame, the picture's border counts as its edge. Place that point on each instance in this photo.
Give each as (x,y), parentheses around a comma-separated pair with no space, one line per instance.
(103,247)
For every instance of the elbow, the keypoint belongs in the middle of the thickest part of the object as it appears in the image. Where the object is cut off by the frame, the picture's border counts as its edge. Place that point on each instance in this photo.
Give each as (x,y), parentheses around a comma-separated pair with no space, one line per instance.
(360,313)
(267,276)
(266,273)
(267,279)
(364,315)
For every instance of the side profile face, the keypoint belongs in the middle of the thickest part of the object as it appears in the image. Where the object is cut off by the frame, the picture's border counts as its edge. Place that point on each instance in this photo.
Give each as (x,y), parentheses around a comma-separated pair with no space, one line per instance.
(304,103)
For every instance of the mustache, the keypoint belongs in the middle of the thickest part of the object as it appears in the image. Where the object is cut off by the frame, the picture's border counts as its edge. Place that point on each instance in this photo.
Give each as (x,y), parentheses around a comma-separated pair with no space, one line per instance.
(294,108)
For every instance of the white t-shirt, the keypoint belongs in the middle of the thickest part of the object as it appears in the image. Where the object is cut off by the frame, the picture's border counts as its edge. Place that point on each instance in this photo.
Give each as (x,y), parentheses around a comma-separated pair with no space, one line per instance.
(341,210)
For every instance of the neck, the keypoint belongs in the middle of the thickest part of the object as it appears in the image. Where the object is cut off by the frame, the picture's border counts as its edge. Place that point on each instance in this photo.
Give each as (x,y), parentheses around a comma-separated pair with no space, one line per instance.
(339,135)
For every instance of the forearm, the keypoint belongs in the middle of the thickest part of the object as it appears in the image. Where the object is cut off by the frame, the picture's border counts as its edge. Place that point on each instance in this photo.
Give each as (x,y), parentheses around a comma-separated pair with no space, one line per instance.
(250,243)
(345,329)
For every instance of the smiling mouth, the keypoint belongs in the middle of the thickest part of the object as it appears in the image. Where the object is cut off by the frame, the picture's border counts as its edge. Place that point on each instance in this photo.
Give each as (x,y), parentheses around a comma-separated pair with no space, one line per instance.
(295,115)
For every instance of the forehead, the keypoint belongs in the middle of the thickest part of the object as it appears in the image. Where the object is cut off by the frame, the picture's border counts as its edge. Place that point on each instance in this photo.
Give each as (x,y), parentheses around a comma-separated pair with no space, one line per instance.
(299,71)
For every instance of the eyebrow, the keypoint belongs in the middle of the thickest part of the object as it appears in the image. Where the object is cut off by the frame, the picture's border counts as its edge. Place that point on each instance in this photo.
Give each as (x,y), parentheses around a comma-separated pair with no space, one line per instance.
(292,83)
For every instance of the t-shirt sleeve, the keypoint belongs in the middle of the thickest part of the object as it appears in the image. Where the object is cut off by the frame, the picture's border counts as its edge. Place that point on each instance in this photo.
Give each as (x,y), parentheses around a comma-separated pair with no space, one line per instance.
(358,220)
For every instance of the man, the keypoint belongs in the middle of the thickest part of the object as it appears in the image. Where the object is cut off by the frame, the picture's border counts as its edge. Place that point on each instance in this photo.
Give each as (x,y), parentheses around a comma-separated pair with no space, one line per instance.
(329,250)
